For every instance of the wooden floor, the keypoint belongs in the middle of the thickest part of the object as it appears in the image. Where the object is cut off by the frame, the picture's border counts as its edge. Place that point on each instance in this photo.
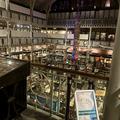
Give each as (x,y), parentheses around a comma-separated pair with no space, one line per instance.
(30,114)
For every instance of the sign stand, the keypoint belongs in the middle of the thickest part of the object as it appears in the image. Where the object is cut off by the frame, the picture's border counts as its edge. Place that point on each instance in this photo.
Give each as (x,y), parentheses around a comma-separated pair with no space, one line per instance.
(86,106)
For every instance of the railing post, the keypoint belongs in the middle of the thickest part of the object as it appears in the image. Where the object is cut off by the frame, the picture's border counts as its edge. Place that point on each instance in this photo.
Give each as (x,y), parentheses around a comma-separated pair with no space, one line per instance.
(69,83)
(66,36)
(52,83)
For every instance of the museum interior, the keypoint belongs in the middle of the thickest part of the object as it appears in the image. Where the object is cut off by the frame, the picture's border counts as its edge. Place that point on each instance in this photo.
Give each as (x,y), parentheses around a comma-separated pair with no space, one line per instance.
(49,49)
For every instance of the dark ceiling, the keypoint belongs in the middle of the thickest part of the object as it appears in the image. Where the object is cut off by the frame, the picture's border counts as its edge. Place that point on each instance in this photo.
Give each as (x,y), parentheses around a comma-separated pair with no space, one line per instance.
(68,5)
(40,5)
(78,5)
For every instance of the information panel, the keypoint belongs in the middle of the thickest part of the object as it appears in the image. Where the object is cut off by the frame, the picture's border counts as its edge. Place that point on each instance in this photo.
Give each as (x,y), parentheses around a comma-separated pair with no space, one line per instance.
(86,106)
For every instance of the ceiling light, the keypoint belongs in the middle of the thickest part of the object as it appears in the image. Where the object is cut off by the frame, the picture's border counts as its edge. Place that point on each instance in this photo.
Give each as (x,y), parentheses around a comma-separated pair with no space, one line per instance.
(18,25)
(22,26)
(28,26)
(10,62)
(94,7)
(107,4)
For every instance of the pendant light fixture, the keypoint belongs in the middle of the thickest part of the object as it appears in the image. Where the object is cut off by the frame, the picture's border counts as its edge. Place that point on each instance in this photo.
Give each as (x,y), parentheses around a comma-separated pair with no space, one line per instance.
(107,4)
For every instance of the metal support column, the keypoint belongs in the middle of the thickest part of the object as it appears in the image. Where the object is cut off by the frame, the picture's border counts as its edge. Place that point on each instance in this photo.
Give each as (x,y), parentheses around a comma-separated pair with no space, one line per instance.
(69,83)
(89,39)
(112,101)
(47,10)
(66,36)
(51,94)
(59,95)
(8,29)
(31,39)
(8,39)
(89,45)
(32,4)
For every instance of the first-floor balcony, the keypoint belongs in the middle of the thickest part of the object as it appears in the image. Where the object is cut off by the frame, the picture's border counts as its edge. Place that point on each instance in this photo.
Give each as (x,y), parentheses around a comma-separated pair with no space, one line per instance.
(84,22)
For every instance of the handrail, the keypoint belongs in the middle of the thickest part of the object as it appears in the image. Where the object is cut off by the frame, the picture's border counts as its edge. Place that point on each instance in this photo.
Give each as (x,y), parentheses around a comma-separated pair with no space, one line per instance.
(92,22)
(74,72)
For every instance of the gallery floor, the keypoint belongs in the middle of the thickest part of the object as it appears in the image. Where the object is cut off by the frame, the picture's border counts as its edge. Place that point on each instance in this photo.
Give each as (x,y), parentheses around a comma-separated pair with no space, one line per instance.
(30,114)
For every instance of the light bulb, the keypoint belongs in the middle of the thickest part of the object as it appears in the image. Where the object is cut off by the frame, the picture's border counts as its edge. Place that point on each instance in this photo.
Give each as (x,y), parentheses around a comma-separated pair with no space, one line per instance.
(107,4)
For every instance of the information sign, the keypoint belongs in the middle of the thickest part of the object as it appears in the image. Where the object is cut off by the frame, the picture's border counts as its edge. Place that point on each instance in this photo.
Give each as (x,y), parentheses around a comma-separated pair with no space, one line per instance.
(86,106)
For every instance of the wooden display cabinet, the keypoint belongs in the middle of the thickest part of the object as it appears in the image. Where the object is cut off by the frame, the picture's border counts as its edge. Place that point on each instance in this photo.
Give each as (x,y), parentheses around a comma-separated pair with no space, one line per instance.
(13,75)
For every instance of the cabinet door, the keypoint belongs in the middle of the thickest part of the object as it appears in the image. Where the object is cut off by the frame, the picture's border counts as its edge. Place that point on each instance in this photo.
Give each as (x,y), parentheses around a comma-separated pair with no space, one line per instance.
(23,41)
(16,41)
(1,42)
(40,40)
(60,42)
(35,20)
(112,14)
(58,15)
(2,3)
(106,14)
(4,13)
(35,41)
(116,14)
(74,14)
(5,42)
(83,14)
(62,15)
(93,35)
(0,13)
(67,15)
(39,21)
(87,14)
(55,16)
(92,14)
(95,44)
(101,14)
(28,18)
(97,14)
(14,15)
(22,17)
(29,41)
(49,40)
(52,16)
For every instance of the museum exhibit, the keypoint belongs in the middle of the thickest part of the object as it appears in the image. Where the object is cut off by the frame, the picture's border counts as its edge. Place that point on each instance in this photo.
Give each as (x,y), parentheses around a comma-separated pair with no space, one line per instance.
(59,59)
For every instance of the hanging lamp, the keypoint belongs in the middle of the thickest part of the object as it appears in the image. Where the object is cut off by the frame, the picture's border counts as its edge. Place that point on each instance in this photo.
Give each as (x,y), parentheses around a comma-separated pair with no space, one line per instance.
(107,4)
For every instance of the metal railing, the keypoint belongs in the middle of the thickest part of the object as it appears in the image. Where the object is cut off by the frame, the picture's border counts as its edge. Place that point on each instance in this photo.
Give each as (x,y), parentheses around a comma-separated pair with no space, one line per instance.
(47,90)
(84,22)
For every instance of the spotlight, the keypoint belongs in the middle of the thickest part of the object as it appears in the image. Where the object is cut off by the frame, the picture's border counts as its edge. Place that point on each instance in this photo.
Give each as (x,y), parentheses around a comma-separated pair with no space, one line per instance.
(107,4)
(18,25)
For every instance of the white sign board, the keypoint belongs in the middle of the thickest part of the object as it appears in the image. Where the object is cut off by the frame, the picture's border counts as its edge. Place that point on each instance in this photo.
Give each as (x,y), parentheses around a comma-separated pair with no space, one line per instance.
(86,106)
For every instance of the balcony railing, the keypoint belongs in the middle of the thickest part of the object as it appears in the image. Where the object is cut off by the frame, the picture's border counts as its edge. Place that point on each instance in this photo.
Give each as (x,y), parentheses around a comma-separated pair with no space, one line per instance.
(84,22)
(47,90)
